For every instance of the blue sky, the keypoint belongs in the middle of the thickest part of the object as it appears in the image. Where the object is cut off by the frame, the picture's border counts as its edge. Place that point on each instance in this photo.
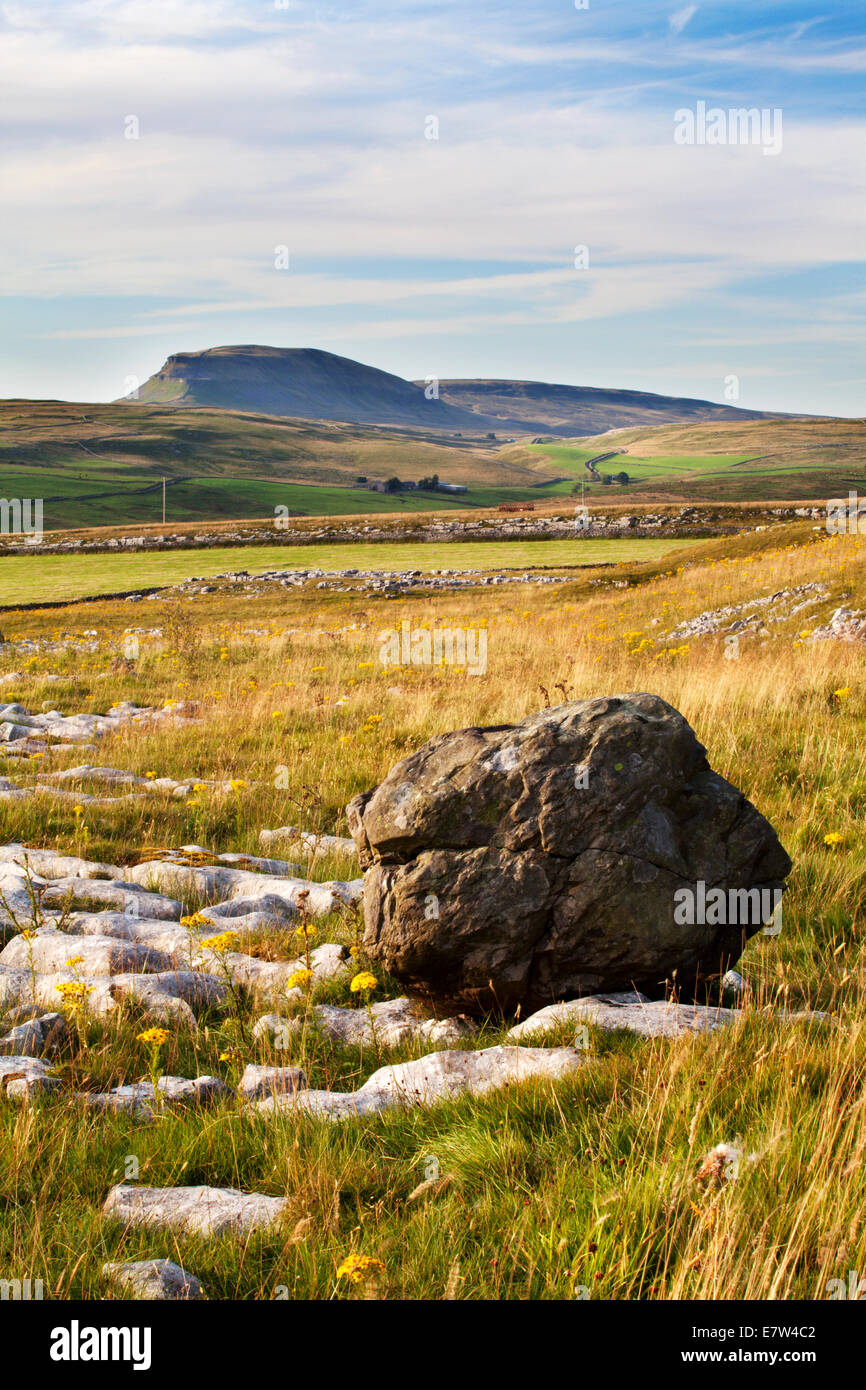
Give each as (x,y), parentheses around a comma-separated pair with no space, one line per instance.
(306,125)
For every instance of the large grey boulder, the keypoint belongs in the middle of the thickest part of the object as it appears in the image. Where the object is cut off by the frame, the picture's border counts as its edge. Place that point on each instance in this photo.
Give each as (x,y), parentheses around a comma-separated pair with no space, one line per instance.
(528,863)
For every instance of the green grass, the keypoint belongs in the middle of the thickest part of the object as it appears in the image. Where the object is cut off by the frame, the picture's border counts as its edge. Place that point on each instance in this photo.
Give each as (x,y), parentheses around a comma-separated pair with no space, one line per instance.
(721,461)
(232,464)
(26,579)
(588,1183)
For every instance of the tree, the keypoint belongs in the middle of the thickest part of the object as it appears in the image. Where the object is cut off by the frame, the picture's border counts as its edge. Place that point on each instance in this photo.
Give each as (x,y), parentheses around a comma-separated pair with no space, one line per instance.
(606,479)
(622,478)
(393,485)
(362,478)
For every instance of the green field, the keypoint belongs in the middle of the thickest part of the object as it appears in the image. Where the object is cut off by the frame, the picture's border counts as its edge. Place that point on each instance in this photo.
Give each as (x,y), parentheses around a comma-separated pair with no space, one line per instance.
(46,578)
(718,460)
(572,457)
(103,465)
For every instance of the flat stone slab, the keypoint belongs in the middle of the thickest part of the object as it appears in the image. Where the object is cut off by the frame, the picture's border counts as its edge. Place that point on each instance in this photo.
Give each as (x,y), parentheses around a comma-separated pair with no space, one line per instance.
(224,884)
(438,1076)
(394,1021)
(20,1075)
(79,728)
(49,950)
(170,995)
(153,1279)
(303,841)
(204,1211)
(48,863)
(140,1096)
(121,895)
(649,1018)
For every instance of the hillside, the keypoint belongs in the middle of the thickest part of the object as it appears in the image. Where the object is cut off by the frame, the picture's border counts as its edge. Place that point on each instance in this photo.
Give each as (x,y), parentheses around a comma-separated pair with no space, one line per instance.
(309,384)
(100,464)
(537,406)
(299,382)
(103,465)
(720,460)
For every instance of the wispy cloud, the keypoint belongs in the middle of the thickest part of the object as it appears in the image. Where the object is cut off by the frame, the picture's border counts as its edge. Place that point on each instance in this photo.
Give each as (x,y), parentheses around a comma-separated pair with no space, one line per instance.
(306,127)
(680,18)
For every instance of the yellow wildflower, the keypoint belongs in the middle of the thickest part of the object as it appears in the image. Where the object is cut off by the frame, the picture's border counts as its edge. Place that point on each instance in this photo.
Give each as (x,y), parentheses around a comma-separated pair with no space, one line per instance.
(363,982)
(225,941)
(356,1267)
(153,1037)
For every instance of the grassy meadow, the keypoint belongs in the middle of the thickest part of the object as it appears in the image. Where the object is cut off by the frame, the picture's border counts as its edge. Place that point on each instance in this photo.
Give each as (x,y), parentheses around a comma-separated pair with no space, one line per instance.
(44,578)
(546,1190)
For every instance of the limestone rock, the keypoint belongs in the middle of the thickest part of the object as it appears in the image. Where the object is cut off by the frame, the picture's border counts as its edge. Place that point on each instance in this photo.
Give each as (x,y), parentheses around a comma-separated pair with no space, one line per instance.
(395,1021)
(48,951)
(45,1034)
(259,1081)
(521,864)
(153,1279)
(204,1211)
(21,1075)
(438,1076)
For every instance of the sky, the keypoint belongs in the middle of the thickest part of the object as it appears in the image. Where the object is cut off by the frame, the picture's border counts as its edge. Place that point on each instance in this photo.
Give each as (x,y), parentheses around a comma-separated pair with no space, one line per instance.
(466,188)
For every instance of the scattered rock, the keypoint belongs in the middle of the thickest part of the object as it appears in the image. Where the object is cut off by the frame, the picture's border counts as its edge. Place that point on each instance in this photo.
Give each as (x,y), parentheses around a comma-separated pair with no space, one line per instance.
(395,1021)
(154,1279)
(304,841)
(258,1082)
(438,1076)
(49,864)
(140,1096)
(204,1211)
(48,950)
(732,982)
(46,1034)
(845,625)
(650,1018)
(226,884)
(19,1076)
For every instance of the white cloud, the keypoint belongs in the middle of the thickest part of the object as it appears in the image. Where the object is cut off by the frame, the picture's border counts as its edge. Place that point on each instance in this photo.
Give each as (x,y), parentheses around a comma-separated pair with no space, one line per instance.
(305,127)
(680,18)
